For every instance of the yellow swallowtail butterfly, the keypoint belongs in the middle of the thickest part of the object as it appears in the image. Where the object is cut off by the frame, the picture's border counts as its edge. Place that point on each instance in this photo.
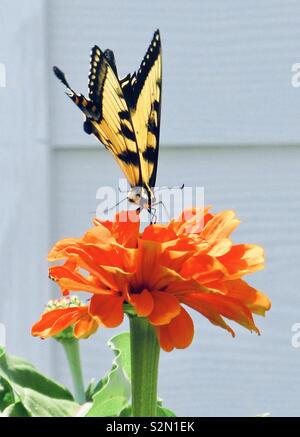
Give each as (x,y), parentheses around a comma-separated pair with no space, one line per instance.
(124,114)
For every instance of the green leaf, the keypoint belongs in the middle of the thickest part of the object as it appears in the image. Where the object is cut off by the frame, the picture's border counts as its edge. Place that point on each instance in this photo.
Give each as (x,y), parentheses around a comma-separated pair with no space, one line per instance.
(121,343)
(90,390)
(164,412)
(161,411)
(83,409)
(15,410)
(126,412)
(6,394)
(21,372)
(40,405)
(30,393)
(112,392)
(105,406)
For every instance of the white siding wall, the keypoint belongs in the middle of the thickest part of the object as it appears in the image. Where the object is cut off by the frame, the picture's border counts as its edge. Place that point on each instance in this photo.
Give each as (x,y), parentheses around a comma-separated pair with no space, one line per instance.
(230,124)
(227,65)
(24,161)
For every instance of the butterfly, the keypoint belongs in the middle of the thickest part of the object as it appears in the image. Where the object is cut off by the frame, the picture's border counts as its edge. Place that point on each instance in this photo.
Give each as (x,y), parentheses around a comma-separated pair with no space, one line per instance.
(124,114)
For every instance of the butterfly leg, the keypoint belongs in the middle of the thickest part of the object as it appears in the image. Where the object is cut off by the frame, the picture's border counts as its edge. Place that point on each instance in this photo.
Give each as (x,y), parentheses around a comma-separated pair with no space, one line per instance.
(114,206)
(153,216)
(164,206)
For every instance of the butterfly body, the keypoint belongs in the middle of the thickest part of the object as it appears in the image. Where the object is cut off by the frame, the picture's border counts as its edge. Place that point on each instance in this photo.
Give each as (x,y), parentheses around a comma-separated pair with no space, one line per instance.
(124,114)
(141,196)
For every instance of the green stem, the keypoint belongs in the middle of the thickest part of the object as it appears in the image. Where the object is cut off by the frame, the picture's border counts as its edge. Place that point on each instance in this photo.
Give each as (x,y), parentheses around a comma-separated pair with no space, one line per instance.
(71,347)
(144,367)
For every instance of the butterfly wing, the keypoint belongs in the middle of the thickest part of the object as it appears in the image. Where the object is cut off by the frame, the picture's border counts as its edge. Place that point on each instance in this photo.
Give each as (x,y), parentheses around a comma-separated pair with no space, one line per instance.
(107,113)
(113,126)
(143,94)
(125,115)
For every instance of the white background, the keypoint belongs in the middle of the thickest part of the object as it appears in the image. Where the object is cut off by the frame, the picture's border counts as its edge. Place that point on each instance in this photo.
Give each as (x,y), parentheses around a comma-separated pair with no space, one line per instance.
(230,123)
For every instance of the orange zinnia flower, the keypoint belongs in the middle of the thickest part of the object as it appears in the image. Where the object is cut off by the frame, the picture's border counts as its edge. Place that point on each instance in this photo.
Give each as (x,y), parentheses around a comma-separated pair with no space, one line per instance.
(189,261)
(65,318)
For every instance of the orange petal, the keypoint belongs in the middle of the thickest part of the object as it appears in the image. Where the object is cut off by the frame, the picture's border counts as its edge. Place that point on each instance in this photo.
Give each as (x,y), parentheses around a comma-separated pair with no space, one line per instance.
(181,243)
(166,307)
(203,268)
(84,261)
(190,221)
(258,302)
(69,280)
(219,247)
(143,302)
(125,228)
(183,286)
(159,233)
(130,216)
(55,321)
(58,272)
(113,255)
(174,259)
(102,254)
(129,258)
(150,270)
(148,263)
(58,250)
(107,309)
(220,226)
(85,327)
(242,259)
(215,305)
(163,278)
(120,280)
(178,333)
(106,223)
(98,234)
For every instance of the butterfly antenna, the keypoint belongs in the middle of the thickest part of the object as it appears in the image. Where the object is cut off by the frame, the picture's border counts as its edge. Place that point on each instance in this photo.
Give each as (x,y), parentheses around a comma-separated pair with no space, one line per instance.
(174,187)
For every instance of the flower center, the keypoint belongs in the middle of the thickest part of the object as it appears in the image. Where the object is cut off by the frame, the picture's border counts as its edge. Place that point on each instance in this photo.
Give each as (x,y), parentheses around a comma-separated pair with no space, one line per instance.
(63,302)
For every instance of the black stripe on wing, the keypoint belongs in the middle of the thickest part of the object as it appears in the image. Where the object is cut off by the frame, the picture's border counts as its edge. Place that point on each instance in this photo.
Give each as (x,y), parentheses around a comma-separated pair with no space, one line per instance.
(153,54)
(147,63)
